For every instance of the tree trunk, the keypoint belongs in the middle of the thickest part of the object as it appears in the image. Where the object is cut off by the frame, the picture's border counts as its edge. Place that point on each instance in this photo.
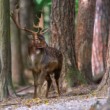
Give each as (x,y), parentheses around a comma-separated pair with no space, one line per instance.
(26,20)
(62,28)
(84,37)
(105,34)
(100,39)
(17,62)
(5,51)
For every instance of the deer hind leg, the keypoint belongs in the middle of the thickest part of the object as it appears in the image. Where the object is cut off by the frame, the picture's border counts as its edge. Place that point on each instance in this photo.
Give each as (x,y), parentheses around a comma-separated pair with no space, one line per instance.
(56,76)
(35,76)
(57,83)
(49,82)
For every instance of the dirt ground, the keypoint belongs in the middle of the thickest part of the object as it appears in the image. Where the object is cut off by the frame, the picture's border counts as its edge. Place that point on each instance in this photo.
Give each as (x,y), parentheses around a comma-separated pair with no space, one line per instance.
(25,97)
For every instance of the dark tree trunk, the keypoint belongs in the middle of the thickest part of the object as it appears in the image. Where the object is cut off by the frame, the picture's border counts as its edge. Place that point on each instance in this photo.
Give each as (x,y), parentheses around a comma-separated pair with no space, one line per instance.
(100,39)
(62,28)
(84,37)
(17,62)
(5,50)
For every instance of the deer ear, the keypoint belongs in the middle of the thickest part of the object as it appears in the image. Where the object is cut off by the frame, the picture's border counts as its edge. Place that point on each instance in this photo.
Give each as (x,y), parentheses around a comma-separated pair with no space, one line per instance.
(41,37)
(44,44)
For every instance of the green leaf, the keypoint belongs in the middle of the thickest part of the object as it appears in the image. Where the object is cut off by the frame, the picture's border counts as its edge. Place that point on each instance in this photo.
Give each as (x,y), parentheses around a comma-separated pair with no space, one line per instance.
(41,3)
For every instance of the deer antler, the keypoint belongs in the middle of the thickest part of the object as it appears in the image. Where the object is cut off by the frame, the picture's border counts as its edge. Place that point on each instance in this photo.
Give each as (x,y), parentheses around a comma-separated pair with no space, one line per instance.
(44,31)
(40,30)
(14,16)
(37,27)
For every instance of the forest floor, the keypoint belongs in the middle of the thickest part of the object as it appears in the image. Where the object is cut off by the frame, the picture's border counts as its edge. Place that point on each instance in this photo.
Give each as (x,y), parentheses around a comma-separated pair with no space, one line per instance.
(78,98)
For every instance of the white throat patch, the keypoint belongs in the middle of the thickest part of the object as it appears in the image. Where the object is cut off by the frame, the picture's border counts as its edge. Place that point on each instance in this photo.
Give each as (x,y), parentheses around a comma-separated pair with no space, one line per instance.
(37,51)
(32,58)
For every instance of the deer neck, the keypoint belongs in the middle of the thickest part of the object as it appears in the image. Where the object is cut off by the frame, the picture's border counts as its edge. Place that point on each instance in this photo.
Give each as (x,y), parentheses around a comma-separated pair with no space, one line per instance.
(37,56)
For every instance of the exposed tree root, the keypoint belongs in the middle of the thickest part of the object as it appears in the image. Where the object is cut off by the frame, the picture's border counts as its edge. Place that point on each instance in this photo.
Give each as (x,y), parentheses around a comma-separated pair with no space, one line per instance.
(102,89)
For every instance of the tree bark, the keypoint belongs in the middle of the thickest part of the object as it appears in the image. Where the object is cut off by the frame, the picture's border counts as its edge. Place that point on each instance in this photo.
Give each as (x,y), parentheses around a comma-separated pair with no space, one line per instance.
(84,37)
(17,62)
(104,7)
(62,28)
(26,20)
(5,50)
(100,39)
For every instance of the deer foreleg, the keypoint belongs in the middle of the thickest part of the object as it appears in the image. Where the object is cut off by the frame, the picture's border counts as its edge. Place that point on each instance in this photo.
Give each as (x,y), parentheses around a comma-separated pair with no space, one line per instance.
(35,76)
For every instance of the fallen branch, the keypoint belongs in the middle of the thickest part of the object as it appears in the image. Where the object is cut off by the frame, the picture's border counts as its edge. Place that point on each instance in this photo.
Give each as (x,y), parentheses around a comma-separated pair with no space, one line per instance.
(24,89)
(4,105)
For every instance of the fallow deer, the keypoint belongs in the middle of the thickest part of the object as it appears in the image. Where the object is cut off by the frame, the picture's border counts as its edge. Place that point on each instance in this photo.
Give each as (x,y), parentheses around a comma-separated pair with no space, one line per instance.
(43,60)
